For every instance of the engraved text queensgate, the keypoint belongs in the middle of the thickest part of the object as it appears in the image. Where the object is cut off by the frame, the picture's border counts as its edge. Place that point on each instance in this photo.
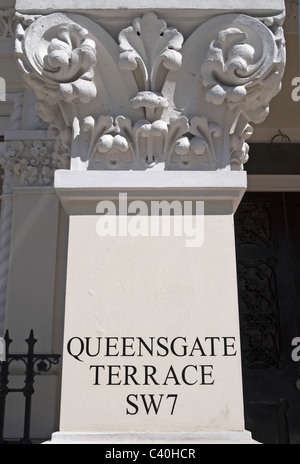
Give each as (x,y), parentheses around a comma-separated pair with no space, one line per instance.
(139,373)
(160,347)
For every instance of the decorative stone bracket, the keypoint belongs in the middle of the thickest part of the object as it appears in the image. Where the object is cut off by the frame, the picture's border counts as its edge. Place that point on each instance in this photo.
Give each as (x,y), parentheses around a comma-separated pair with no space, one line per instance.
(154,98)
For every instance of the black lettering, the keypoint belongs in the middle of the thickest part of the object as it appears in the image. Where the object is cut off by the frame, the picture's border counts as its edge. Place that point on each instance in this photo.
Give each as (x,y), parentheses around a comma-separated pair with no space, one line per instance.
(81,349)
(171,375)
(173,350)
(197,346)
(130,375)
(109,346)
(143,343)
(125,346)
(227,346)
(135,406)
(165,348)
(152,403)
(88,347)
(112,374)
(184,377)
(97,373)
(150,374)
(212,344)
(206,374)
(174,402)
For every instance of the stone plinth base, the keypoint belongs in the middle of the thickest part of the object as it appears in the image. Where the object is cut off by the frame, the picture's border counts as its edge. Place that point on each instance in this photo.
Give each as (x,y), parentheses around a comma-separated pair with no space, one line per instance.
(151,323)
(209,438)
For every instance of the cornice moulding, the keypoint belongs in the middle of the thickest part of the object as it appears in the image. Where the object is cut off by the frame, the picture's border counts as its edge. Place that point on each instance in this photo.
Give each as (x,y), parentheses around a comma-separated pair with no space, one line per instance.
(219,5)
(79,192)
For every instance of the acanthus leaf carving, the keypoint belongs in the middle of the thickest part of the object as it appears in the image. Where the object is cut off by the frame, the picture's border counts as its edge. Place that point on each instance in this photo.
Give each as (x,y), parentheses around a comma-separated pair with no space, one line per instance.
(152,99)
(150,144)
(146,46)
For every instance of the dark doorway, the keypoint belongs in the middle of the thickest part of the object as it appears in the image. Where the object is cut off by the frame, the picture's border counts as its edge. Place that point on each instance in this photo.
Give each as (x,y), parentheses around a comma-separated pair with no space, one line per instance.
(268,263)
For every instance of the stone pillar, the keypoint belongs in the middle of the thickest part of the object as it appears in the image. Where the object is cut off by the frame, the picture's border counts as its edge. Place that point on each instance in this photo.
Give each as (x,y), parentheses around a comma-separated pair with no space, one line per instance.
(151,323)
(154,105)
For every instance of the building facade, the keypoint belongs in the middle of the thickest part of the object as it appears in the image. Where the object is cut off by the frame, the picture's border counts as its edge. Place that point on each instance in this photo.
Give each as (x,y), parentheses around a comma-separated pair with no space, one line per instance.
(44,102)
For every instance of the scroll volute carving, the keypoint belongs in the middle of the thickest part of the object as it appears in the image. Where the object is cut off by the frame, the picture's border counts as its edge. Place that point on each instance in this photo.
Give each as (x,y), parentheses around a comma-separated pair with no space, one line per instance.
(152,100)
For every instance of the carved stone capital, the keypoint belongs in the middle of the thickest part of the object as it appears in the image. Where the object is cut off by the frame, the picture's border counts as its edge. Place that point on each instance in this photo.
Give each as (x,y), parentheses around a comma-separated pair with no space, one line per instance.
(152,97)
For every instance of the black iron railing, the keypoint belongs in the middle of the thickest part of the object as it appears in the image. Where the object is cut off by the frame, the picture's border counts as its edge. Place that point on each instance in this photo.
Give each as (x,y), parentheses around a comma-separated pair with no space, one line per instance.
(34,365)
